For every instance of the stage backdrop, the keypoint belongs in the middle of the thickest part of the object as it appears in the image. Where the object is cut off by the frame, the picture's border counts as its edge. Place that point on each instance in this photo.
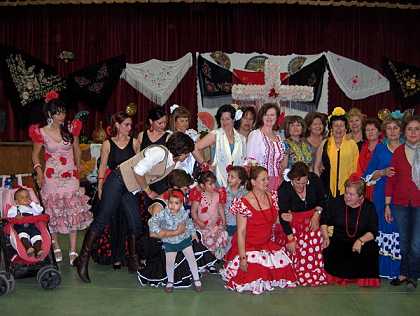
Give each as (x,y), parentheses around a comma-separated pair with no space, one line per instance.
(169,31)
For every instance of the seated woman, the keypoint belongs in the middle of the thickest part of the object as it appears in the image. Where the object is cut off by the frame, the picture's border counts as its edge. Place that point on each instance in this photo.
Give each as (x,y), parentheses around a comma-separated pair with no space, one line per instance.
(301,201)
(351,254)
(254,262)
(154,272)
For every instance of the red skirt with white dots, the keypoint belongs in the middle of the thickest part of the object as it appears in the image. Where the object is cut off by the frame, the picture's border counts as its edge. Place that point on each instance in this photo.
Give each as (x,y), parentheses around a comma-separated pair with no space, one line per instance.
(307,260)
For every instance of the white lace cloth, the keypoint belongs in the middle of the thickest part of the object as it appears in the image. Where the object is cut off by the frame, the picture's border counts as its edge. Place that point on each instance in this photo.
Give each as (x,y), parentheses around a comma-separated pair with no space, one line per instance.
(157,79)
(355,79)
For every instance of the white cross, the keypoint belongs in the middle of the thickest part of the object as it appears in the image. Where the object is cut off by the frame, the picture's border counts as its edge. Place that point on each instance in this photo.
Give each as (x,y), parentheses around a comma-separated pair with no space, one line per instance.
(272,91)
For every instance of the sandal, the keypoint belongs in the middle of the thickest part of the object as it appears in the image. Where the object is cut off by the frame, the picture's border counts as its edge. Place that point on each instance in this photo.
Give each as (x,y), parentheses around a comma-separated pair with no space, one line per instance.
(197,286)
(72,256)
(169,288)
(58,255)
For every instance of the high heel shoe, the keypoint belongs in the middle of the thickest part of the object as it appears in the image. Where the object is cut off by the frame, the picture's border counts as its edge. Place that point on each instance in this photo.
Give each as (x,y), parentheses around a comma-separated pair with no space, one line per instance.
(116,266)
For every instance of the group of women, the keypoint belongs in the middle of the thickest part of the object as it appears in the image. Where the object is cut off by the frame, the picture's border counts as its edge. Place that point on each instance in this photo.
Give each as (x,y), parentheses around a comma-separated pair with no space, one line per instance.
(317,187)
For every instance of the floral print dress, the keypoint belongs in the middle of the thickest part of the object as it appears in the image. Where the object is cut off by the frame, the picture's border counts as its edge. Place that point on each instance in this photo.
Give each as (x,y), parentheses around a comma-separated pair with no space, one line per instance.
(62,198)
(214,235)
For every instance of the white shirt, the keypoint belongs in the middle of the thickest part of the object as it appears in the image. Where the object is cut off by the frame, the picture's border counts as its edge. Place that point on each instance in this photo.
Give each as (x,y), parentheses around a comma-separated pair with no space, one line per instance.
(33,209)
(152,157)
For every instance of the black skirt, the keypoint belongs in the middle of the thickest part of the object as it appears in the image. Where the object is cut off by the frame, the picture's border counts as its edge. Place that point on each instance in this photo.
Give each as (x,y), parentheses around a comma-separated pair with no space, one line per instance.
(340,261)
(154,273)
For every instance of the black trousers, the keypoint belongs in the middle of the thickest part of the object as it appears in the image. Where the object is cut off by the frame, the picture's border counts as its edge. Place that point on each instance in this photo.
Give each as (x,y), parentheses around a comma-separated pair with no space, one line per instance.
(115,197)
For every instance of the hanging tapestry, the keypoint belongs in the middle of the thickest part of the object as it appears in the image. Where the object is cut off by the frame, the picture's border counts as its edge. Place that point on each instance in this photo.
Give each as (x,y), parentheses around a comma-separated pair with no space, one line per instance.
(95,83)
(311,75)
(405,82)
(32,79)
(157,79)
(215,83)
(27,81)
(355,79)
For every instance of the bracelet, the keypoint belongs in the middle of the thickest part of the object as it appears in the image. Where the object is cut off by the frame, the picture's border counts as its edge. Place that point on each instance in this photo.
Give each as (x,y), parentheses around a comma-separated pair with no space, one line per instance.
(36,166)
(291,240)
(360,239)
(101,178)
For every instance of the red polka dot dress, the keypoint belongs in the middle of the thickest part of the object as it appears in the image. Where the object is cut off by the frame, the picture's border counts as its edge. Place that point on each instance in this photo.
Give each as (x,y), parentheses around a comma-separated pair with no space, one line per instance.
(268,264)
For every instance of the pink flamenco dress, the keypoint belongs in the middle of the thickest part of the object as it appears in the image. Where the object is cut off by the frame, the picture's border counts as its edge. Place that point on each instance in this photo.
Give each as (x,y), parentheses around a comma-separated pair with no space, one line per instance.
(214,235)
(268,264)
(62,198)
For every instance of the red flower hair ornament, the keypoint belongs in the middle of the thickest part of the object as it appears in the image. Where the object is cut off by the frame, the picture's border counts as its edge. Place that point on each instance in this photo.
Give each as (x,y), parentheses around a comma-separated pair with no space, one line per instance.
(177,194)
(280,119)
(229,168)
(52,95)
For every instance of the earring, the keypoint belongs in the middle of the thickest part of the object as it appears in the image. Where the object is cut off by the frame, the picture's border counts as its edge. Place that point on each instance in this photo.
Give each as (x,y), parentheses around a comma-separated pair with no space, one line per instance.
(49,121)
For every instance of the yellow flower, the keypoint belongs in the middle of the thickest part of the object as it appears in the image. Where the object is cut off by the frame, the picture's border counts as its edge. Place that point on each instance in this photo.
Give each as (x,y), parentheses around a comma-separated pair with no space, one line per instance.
(338,111)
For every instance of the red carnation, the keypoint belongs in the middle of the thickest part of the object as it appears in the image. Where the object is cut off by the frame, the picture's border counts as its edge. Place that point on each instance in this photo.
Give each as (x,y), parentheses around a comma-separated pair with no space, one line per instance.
(206,222)
(281,118)
(52,95)
(47,156)
(49,172)
(63,160)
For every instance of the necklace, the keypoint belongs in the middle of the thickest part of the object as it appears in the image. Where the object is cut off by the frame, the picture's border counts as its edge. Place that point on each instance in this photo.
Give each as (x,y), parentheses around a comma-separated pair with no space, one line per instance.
(357,222)
(258,202)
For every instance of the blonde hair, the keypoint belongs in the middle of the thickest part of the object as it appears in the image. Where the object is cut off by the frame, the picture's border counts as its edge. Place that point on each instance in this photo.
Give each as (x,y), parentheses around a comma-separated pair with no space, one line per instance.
(179,112)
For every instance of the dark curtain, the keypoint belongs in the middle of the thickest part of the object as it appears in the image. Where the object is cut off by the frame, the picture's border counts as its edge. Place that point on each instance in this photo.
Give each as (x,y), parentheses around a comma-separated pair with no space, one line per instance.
(168,31)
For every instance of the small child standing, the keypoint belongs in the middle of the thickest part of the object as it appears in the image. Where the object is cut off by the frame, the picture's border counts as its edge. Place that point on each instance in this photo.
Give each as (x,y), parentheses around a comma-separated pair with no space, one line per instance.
(208,213)
(27,233)
(165,225)
(236,189)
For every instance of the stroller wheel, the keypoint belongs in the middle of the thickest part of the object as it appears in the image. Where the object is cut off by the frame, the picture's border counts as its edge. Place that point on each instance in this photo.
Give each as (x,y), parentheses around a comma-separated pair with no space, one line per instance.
(4,285)
(11,280)
(49,278)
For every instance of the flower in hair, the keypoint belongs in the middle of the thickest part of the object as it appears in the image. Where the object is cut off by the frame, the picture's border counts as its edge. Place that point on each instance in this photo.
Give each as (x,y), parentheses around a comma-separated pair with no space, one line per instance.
(173,108)
(338,111)
(52,95)
(396,115)
(238,115)
(281,118)
(229,168)
(205,167)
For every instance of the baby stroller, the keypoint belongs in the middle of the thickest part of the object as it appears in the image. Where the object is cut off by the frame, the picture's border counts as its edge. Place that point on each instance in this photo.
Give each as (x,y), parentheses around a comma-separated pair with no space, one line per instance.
(14,261)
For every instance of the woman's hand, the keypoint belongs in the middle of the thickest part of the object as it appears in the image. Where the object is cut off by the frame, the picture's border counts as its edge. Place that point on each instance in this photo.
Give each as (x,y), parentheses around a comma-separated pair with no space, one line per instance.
(152,194)
(291,246)
(243,264)
(388,214)
(357,246)
(325,242)
(287,217)
(314,223)
(388,172)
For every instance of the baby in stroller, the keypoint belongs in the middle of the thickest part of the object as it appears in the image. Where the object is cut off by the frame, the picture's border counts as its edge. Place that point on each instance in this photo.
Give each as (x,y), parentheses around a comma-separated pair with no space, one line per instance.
(25,242)
(28,233)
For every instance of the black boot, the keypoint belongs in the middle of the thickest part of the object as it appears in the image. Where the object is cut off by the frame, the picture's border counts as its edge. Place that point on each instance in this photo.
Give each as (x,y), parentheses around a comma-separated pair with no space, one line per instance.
(132,263)
(82,262)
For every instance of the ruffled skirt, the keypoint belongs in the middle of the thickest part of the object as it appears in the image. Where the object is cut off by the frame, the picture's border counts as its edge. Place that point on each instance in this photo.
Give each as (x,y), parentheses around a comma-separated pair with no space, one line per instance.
(68,212)
(267,269)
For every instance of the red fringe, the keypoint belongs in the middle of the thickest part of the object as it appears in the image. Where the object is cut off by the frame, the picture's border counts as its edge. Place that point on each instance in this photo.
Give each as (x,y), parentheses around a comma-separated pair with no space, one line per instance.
(367,282)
